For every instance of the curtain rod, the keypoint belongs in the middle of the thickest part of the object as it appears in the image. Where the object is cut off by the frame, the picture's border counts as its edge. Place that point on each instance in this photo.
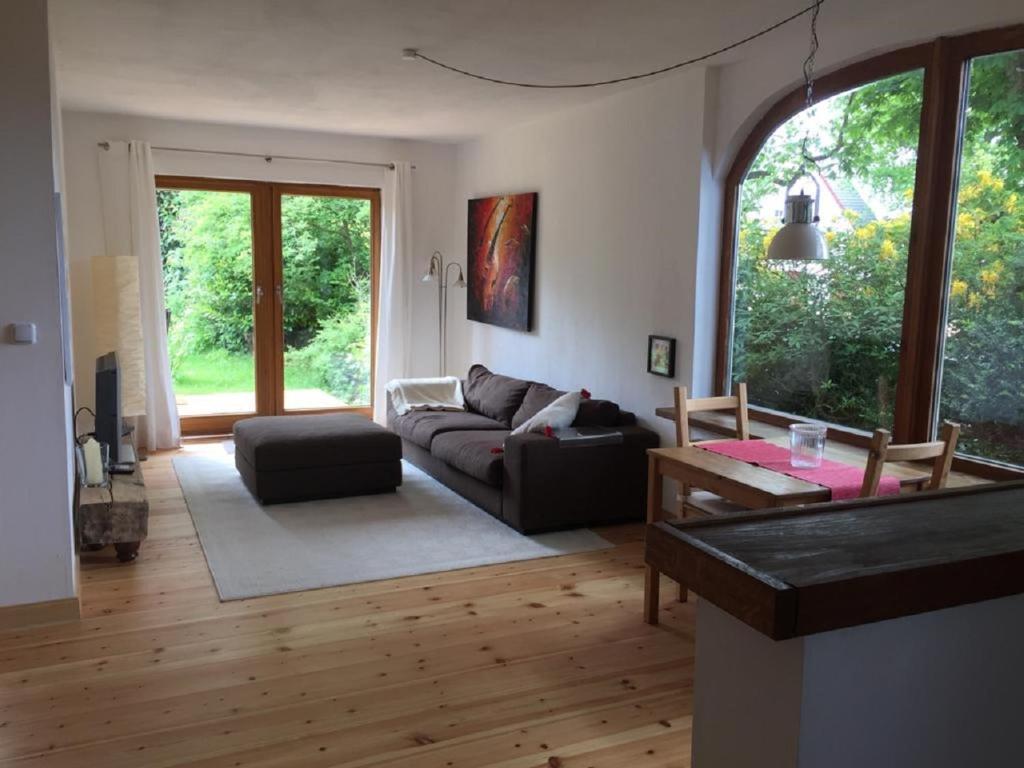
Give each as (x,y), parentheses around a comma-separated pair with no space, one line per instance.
(268,158)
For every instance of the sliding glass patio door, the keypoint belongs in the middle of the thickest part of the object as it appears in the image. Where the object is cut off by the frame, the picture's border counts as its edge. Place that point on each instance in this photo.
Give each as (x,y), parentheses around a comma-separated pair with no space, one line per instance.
(270,293)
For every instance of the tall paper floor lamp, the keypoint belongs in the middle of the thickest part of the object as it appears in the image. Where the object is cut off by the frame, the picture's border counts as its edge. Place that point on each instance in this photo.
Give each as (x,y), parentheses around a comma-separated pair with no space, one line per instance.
(438,272)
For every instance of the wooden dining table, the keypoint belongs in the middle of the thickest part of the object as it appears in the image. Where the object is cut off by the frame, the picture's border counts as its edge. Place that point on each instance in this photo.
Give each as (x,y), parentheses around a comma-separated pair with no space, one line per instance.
(745,484)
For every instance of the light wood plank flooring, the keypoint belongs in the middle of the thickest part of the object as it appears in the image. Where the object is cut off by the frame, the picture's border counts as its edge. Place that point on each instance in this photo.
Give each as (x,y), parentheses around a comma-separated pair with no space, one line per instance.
(539,663)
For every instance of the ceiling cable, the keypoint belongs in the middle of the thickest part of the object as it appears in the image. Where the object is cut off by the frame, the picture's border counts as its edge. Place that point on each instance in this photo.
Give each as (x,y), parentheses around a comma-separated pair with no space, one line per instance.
(413,53)
(105,145)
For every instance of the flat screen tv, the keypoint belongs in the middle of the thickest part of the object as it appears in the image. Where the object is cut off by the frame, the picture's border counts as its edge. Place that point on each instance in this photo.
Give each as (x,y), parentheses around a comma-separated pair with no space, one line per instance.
(108,404)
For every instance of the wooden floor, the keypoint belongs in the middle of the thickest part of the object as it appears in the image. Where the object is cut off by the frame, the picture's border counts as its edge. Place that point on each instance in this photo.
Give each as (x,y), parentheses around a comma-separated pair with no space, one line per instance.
(539,663)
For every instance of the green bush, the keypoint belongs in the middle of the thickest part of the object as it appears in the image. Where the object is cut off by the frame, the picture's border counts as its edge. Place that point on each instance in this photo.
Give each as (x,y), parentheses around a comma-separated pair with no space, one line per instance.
(206,242)
(207,250)
(824,342)
(337,359)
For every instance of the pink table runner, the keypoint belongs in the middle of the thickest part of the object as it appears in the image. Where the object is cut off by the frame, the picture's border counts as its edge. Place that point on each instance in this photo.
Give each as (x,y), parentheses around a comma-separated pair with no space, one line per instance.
(843,480)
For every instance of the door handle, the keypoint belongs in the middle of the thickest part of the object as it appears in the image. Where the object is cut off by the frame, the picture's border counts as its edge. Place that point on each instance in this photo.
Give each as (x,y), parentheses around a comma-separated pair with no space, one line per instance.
(259,293)
(280,295)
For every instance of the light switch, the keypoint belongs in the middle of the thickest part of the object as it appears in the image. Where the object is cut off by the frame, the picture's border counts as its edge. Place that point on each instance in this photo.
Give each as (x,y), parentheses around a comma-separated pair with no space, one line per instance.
(24,333)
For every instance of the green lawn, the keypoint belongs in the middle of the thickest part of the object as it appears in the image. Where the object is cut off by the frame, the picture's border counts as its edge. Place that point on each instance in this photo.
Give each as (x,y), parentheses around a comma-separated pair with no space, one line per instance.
(218,371)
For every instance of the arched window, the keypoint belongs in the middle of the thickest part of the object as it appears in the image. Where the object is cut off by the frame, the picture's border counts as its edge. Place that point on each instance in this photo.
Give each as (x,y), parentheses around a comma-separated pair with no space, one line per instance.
(916,162)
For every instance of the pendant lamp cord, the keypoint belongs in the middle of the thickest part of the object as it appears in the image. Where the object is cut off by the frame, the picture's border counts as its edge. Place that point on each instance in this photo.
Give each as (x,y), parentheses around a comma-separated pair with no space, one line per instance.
(809,61)
(809,84)
(413,53)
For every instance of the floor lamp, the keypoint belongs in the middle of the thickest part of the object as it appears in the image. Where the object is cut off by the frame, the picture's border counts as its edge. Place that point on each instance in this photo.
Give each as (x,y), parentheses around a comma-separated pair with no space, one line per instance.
(438,272)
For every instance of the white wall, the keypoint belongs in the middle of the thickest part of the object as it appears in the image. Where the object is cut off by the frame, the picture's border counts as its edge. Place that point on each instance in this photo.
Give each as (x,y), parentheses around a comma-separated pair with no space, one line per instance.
(433,189)
(617,222)
(36,550)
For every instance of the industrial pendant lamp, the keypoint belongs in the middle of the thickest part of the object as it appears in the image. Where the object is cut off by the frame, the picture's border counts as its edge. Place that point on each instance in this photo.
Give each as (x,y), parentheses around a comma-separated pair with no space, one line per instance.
(800,239)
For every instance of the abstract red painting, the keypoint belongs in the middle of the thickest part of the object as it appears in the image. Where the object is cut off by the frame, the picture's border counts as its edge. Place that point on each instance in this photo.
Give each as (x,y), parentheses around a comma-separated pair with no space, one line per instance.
(500,260)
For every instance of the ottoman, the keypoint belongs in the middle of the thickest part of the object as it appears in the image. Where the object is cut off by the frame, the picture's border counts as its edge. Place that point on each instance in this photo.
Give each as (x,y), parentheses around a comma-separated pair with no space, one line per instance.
(320,456)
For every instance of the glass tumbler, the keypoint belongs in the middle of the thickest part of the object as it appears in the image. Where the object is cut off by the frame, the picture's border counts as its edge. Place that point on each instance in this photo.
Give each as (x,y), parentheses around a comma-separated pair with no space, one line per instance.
(806,445)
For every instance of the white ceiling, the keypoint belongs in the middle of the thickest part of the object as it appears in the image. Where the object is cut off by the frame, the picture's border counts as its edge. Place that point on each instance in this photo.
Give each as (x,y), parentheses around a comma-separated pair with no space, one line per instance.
(335,65)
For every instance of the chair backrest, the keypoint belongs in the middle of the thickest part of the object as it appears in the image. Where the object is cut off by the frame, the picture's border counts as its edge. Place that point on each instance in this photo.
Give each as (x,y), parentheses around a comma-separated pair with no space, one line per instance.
(940,451)
(684,407)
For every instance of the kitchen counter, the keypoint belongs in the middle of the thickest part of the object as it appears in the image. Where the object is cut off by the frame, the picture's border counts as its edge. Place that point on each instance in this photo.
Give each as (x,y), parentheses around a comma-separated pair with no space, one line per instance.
(881,632)
(826,566)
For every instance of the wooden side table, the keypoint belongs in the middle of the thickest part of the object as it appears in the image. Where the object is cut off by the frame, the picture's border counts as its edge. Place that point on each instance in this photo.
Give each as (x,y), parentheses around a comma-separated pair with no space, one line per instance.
(118,515)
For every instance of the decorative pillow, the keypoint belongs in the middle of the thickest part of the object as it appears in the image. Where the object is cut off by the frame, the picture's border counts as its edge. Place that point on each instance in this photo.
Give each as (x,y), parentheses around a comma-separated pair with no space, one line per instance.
(493,395)
(558,414)
(538,397)
(592,413)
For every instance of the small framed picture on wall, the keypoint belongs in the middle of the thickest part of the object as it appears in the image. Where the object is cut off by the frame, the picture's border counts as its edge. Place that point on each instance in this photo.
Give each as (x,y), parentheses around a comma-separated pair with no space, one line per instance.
(661,356)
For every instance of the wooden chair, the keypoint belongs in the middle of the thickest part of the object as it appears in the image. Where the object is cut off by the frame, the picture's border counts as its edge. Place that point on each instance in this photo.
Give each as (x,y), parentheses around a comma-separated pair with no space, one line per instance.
(705,502)
(940,451)
(684,407)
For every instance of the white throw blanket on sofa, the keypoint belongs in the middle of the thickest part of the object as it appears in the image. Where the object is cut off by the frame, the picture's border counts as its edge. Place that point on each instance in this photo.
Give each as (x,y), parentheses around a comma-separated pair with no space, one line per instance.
(439,394)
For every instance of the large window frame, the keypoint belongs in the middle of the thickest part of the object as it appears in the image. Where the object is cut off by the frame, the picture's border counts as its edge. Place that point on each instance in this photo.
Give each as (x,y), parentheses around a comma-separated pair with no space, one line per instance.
(268,282)
(945,62)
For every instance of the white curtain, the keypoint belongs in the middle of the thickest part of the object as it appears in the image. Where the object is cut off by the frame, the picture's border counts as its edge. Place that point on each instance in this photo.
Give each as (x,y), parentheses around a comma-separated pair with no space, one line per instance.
(394,308)
(160,427)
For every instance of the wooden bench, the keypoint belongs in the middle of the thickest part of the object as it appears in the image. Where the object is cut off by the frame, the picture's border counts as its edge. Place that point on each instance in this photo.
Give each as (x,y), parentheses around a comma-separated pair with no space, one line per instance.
(117,514)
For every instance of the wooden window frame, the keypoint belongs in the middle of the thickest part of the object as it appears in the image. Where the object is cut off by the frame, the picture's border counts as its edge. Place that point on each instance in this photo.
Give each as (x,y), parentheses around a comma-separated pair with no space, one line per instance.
(323,190)
(945,63)
(267,274)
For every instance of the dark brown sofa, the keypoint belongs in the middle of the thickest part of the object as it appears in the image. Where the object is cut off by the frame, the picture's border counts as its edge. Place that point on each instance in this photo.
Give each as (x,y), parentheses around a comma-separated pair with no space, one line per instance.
(536,484)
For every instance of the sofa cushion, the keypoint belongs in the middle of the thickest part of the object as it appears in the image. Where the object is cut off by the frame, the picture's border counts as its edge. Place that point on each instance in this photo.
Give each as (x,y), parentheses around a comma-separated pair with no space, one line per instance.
(494,395)
(592,413)
(421,427)
(626,419)
(473,452)
(316,440)
(597,413)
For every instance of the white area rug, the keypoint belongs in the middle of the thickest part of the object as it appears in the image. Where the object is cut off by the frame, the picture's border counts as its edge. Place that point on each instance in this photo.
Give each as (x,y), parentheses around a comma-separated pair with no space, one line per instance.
(422,528)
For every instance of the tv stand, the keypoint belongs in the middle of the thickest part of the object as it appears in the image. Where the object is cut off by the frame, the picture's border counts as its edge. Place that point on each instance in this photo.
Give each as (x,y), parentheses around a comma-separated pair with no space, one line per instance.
(117,514)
